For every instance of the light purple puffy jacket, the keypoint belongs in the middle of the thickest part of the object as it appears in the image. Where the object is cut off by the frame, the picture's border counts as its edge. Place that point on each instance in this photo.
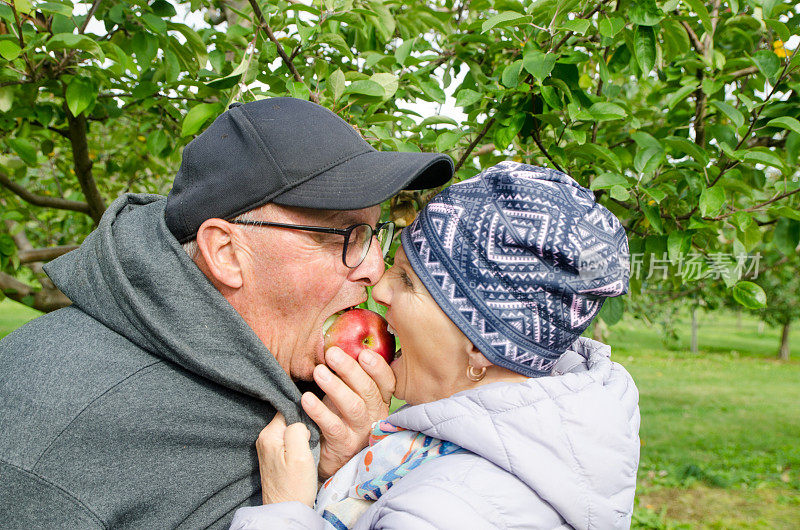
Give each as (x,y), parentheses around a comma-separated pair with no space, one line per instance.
(552,452)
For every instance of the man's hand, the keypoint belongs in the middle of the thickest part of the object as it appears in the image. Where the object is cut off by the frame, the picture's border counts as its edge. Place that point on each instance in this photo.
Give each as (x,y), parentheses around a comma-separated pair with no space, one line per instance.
(286,463)
(356,396)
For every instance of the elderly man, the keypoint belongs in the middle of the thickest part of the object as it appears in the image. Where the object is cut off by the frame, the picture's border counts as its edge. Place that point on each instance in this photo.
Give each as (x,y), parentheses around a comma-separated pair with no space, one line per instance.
(139,405)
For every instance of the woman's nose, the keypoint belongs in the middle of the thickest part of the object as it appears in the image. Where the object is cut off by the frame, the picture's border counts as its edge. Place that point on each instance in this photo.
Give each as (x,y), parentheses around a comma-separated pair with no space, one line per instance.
(381,292)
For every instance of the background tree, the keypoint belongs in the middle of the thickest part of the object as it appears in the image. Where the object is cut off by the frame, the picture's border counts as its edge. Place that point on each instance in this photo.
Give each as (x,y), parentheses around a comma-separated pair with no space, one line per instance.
(680,115)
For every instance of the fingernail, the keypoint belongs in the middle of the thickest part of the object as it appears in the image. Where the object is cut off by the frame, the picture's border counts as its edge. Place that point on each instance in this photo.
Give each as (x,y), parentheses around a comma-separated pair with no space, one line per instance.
(323,374)
(367,357)
(306,400)
(335,355)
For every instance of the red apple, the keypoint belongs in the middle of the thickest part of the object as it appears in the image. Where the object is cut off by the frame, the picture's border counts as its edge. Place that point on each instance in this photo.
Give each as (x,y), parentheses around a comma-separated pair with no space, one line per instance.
(360,329)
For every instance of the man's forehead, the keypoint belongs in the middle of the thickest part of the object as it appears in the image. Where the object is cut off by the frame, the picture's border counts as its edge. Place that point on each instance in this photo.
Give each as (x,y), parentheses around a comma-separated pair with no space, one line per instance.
(346,218)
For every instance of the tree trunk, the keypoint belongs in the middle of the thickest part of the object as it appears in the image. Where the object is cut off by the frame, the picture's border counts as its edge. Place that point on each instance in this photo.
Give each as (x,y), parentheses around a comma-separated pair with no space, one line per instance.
(784,351)
(694,331)
(599,331)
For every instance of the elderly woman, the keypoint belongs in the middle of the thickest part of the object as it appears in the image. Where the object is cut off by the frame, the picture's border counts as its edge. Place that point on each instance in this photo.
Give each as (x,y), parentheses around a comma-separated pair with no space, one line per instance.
(513,419)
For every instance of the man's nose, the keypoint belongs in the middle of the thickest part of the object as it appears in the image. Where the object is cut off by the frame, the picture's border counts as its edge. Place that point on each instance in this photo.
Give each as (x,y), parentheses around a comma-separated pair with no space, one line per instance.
(371,269)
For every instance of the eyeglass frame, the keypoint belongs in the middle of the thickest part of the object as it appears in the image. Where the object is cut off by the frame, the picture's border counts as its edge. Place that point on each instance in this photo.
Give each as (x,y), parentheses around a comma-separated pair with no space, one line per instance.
(344,232)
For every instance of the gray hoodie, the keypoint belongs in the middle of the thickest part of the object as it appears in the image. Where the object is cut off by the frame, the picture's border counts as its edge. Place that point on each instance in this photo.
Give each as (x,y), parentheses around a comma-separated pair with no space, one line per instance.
(139,405)
(551,452)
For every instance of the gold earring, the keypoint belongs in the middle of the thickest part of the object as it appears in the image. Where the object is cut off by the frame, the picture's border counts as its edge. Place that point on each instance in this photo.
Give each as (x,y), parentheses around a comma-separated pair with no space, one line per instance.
(475,375)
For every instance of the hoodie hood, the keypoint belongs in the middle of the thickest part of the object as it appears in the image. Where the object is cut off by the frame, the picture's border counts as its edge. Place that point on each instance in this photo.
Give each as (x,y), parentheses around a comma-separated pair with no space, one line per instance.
(132,275)
(572,438)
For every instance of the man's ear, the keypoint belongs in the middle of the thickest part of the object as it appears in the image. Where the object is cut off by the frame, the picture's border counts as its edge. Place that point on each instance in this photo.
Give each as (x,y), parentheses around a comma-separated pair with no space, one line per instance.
(215,241)
(476,358)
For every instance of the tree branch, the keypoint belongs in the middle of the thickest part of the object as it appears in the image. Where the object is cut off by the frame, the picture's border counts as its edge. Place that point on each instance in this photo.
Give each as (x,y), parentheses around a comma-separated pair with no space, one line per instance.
(89,16)
(286,59)
(41,200)
(473,143)
(536,139)
(44,254)
(744,72)
(44,300)
(693,37)
(83,165)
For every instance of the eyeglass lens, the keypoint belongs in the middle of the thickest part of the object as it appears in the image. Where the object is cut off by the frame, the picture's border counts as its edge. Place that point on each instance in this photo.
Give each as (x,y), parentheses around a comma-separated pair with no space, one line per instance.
(360,240)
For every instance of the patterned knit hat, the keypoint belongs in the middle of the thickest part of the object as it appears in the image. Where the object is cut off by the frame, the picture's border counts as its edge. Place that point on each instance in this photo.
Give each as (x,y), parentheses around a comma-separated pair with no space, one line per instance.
(520,258)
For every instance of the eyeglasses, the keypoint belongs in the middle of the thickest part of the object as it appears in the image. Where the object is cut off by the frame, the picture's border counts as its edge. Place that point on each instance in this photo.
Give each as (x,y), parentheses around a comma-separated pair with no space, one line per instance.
(357,238)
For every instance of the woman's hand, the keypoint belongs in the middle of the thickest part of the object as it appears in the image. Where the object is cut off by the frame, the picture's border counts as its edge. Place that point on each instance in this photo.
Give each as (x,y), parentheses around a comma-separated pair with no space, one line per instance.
(288,471)
(356,395)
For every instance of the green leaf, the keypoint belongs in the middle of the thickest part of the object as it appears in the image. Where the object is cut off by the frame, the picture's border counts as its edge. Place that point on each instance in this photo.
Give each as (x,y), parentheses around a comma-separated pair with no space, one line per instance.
(298,89)
(506,18)
(366,88)
(53,7)
(786,236)
(510,77)
(653,215)
(785,122)
(402,52)
(678,244)
(763,156)
(163,8)
(644,13)
(612,310)
(389,82)
(25,149)
(785,211)
(433,120)
(9,50)
(466,97)
(447,140)
(767,63)
(593,152)
(750,295)
(538,64)
(682,145)
(608,180)
(644,45)
(69,41)
(730,111)
(551,97)
(80,94)
(155,23)
(780,28)
(6,98)
(578,25)
(157,142)
(711,200)
(609,27)
(23,6)
(679,95)
(620,193)
(336,41)
(604,111)
(336,84)
(197,117)
(433,90)
(700,9)
(657,194)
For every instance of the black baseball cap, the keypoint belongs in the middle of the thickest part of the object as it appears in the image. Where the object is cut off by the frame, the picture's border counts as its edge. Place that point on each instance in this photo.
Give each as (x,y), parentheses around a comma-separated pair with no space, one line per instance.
(291,152)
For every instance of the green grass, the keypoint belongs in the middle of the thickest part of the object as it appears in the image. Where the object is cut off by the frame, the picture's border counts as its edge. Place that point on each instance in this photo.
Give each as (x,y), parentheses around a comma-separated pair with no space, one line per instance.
(13,315)
(720,430)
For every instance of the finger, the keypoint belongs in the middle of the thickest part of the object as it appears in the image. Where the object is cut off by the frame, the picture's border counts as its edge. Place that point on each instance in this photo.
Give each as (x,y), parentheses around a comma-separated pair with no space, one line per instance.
(352,406)
(272,435)
(295,440)
(330,424)
(380,372)
(354,376)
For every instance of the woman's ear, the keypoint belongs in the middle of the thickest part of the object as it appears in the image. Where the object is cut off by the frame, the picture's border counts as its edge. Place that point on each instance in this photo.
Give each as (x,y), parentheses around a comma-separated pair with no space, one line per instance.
(215,242)
(476,358)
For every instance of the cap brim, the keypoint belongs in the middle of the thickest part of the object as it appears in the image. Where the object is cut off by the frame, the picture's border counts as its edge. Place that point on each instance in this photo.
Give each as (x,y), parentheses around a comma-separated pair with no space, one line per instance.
(369,179)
